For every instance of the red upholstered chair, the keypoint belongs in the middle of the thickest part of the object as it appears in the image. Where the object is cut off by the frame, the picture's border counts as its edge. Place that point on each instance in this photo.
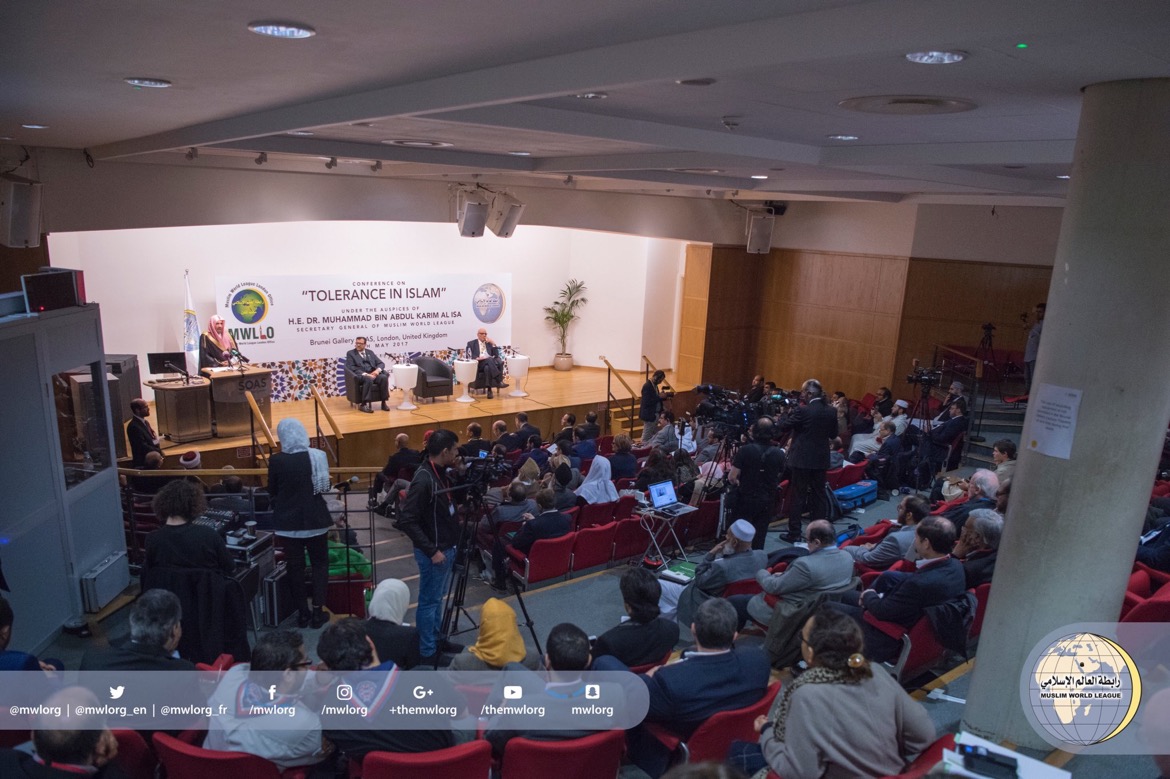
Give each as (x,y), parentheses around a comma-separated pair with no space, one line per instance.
(593,546)
(574,515)
(704,522)
(851,473)
(1158,579)
(605,445)
(585,466)
(134,755)
(713,738)
(866,402)
(982,593)
(920,647)
(548,559)
(629,539)
(597,756)
(1155,608)
(927,760)
(742,587)
(625,507)
(595,514)
(869,577)
(186,761)
(221,664)
(873,534)
(625,483)
(641,669)
(833,477)
(473,759)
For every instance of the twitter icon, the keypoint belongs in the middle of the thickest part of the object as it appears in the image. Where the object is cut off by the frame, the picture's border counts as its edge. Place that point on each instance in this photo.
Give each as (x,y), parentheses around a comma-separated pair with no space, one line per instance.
(116,692)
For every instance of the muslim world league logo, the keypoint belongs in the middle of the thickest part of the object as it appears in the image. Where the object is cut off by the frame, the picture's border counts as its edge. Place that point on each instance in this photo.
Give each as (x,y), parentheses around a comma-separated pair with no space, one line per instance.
(1083,689)
(488,302)
(250,303)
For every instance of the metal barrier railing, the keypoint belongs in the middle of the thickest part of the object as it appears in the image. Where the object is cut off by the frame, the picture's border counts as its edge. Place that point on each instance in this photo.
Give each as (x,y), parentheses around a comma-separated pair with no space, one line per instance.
(611,399)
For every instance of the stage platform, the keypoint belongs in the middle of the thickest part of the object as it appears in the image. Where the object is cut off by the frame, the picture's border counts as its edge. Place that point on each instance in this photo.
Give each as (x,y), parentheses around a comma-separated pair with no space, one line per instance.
(367,439)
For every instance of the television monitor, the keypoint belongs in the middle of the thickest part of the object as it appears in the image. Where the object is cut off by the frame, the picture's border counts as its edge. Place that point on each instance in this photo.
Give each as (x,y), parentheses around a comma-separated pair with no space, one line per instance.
(157,361)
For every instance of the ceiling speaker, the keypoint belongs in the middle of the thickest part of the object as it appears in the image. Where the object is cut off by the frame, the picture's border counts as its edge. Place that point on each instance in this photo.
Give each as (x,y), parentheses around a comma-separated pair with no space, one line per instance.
(473,214)
(20,212)
(505,214)
(759,240)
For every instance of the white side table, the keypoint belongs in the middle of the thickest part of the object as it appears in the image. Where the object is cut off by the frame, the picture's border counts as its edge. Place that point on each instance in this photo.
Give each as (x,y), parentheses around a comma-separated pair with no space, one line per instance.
(405,377)
(465,371)
(517,370)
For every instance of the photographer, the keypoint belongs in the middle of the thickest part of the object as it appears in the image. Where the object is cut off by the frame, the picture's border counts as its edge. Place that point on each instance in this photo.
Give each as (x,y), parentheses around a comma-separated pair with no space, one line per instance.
(813,426)
(651,404)
(756,476)
(429,520)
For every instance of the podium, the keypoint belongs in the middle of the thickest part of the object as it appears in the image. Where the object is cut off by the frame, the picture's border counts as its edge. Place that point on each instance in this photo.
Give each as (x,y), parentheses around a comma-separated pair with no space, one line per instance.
(229,405)
(183,410)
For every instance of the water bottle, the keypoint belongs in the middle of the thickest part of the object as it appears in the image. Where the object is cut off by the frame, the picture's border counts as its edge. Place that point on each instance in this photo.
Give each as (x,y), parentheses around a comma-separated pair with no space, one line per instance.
(87,463)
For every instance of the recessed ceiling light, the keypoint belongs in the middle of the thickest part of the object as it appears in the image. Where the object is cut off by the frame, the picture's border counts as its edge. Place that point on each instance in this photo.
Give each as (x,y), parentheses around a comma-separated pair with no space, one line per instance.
(1015,167)
(908,105)
(35,126)
(759,176)
(361,124)
(705,171)
(1064,177)
(300,133)
(520,153)
(695,82)
(5,137)
(843,137)
(416,143)
(288,30)
(149,83)
(936,57)
(591,95)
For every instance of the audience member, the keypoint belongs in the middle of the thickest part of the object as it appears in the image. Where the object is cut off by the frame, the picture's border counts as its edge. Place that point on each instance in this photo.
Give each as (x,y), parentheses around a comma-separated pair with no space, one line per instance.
(709,448)
(597,486)
(954,395)
(591,429)
(394,478)
(840,404)
(476,443)
(981,490)
(347,649)
(141,435)
(178,542)
(561,483)
(498,644)
(897,543)
(665,437)
(733,559)
(813,426)
(87,749)
(646,636)
(902,598)
(550,523)
(1032,346)
(524,430)
(583,446)
(156,625)
(978,545)
(935,446)
(10,659)
(289,737)
(623,463)
(813,731)
(146,484)
(534,452)
(658,468)
(231,496)
(826,568)
(756,475)
(755,392)
(393,639)
(1154,548)
(651,404)
(685,473)
(862,447)
(516,504)
(885,401)
(568,422)
(510,441)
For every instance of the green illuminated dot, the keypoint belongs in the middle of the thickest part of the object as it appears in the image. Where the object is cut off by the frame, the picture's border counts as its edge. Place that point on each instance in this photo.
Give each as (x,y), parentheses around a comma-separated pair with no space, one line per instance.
(1021,45)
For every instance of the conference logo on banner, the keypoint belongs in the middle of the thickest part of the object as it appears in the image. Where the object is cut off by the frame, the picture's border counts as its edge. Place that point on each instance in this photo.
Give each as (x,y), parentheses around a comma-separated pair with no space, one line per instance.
(320,316)
(249,304)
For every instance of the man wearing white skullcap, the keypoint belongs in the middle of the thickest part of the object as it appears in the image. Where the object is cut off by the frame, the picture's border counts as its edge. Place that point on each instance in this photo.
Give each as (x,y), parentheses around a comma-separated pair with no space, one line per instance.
(731,560)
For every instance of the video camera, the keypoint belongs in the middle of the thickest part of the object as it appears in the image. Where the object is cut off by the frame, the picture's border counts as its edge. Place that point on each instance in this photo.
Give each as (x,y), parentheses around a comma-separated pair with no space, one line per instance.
(482,471)
(926,377)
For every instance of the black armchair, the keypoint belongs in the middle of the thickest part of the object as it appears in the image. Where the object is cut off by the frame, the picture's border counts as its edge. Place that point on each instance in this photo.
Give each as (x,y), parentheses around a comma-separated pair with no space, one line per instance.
(435,378)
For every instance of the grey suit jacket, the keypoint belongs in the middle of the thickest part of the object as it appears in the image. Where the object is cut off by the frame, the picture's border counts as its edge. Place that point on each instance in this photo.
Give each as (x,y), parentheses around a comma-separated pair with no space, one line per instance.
(830,568)
(356,366)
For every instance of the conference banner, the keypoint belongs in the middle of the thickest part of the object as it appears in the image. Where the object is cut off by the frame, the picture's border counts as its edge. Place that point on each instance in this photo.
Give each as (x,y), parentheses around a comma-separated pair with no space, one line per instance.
(302,326)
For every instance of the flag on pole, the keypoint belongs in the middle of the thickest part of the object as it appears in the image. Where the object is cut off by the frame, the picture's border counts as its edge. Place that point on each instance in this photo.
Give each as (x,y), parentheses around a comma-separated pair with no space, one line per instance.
(190,330)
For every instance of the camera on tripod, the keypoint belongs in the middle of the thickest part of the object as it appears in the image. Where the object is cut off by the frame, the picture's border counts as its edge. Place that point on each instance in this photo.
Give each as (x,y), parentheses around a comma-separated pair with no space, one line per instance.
(483,471)
(926,377)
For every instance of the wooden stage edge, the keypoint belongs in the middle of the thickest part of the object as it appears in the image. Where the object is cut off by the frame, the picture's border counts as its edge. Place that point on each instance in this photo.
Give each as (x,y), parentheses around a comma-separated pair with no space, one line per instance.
(367,439)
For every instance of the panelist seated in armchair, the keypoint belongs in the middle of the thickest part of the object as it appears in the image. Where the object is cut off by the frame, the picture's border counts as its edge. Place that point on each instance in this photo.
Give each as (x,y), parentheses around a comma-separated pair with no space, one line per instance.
(490,372)
(370,372)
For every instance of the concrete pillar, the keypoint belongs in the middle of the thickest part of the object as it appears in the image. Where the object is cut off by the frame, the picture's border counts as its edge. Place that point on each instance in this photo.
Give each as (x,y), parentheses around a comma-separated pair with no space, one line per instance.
(1072,525)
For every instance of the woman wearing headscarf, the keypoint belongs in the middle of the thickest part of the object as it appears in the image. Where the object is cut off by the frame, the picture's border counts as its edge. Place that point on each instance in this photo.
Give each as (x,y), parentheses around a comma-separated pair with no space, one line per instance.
(216,344)
(499,642)
(811,731)
(393,639)
(297,477)
(597,487)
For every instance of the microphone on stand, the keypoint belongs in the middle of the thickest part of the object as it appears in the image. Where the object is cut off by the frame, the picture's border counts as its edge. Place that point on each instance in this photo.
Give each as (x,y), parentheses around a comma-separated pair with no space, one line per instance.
(344,485)
(236,353)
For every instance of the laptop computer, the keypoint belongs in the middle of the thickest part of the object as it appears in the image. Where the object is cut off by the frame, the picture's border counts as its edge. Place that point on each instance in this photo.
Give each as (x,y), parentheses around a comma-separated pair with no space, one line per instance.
(680,571)
(665,502)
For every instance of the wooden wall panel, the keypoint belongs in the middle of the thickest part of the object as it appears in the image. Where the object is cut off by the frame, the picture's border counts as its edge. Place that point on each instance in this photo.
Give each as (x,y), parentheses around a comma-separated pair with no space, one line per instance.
(693,316)
(948,301)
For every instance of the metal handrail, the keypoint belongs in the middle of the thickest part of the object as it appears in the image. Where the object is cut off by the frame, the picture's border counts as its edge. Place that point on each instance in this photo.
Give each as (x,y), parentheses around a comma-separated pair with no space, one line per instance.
(318,407)
(259,417)
(611,372)
(976,385)
(651,368)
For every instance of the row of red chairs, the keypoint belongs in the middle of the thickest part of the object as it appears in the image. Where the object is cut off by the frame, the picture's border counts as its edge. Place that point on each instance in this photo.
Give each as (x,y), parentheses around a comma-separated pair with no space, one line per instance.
(1147,596)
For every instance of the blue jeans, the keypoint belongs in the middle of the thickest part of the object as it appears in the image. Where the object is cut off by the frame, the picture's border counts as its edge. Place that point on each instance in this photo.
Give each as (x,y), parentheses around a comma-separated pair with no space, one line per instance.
(432,586)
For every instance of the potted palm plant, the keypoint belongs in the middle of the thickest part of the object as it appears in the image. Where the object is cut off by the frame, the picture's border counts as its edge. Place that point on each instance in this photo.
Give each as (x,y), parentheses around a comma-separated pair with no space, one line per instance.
(561,314)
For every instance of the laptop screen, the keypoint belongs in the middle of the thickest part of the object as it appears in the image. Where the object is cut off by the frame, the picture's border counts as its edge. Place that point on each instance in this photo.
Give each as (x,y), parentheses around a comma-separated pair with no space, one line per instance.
(662,494)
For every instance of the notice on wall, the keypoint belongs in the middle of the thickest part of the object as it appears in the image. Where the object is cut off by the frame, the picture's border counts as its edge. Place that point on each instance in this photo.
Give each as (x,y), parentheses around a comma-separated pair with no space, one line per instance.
(284,318)
(1054,422)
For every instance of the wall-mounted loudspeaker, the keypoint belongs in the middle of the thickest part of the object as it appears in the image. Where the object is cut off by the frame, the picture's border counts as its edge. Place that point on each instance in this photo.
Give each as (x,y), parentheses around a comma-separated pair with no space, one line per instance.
(20,212)
(759,240)
(504,215)
(472,214)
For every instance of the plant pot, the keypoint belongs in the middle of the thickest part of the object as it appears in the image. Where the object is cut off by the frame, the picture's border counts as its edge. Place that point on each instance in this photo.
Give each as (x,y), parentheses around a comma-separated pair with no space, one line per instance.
(563,362)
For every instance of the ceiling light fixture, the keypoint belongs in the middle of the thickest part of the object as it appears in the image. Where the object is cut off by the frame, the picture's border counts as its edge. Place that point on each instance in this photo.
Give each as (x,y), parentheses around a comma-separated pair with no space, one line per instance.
(759,176)
(362,124)
(695,82)
(285,30)
(1064,177)
(708,171)
(520,153)
(331,164)
(937,57)
(35,126)
(591,95)
(5,137)
(261,158)
(843,137)
(191,154)
(908,105)
(300,133)
(148,83)
(416,143)
(1015,167)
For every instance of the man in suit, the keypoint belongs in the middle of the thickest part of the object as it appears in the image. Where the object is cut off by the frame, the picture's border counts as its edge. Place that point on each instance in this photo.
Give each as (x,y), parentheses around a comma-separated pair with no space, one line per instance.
(813,426)
(510,441)
(155,630)
(896,545)
(88,749)
(978,545)
(370,371)
(476,443)
(982,488)
(715,676)
(549,523)
(731,560)
(490,372)
(591,428)
(936,445)
(524,431)
(142,436)
(902,598)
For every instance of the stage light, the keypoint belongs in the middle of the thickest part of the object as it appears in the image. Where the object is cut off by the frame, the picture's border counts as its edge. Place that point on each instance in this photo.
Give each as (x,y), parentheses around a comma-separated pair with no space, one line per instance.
(504,215)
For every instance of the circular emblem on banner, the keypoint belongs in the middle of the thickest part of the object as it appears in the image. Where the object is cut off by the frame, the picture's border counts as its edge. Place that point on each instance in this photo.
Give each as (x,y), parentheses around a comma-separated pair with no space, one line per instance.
(1083,689)
(488,302)
(249,305)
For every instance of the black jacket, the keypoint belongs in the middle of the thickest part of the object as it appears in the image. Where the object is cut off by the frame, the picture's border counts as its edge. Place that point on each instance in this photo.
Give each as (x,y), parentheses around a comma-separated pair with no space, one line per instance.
(22,765)
(906,596)
(428,519)
(526,432)
(290,483)
(550,524)
(141,441)
(132,657)
(813,427)
(940,438)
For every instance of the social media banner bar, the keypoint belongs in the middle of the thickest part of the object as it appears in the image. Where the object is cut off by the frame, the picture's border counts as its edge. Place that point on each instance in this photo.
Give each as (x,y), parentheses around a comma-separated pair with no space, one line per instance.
(361,700)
